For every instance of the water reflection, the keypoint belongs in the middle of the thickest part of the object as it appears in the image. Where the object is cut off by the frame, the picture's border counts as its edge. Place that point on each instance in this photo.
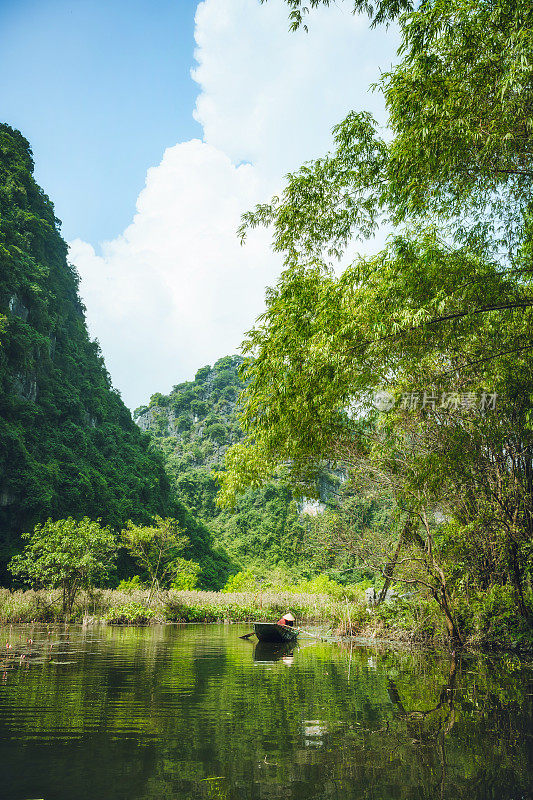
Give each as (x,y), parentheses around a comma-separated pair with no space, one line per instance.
(269,652)
(194,712)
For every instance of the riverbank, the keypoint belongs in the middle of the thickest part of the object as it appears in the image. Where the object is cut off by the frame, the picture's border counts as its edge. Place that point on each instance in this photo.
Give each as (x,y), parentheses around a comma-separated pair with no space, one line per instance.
(417,622)
(136,607)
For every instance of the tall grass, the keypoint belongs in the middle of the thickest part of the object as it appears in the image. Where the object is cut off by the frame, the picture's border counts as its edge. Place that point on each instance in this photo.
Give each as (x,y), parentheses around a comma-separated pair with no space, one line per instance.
(249,606)
(418,620)
(178,606)
(46,605)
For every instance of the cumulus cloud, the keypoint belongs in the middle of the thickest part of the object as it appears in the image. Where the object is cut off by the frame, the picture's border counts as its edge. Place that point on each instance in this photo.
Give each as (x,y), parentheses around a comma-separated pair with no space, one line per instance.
(176,290)
(270,95)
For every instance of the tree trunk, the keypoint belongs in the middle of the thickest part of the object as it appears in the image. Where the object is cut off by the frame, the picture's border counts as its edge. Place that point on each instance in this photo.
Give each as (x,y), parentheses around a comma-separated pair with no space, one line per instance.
(390,567)
(69,595)
(441,597)
(516,579)
(65,600)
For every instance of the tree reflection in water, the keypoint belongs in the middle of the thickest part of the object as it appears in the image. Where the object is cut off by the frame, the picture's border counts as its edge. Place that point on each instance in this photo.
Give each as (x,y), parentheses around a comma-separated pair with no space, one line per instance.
(192,712)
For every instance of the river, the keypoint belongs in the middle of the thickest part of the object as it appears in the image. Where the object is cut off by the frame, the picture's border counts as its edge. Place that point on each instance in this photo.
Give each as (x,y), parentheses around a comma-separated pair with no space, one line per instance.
(193,711)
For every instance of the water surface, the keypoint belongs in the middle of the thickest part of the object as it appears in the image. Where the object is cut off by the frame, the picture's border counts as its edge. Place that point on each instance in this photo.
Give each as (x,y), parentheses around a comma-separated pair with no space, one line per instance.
(194,712)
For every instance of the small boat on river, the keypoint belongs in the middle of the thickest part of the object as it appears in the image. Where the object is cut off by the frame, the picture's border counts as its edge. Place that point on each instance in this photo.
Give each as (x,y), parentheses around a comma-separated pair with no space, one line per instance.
(274,632)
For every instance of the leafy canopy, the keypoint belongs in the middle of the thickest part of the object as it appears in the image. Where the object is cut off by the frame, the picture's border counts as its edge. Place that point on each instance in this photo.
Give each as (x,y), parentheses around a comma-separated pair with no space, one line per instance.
(193,426)
(445,308)
(185,574)
(449,299)
(155,548)
(381,11)
(67,554)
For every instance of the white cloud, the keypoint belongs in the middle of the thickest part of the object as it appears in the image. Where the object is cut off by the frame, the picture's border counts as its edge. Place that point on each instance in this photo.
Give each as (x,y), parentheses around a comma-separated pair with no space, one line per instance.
(271,96)
(176,290)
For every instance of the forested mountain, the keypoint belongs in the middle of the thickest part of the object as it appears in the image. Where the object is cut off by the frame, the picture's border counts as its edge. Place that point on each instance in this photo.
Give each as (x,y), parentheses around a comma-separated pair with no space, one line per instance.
(193,426)
(68,445)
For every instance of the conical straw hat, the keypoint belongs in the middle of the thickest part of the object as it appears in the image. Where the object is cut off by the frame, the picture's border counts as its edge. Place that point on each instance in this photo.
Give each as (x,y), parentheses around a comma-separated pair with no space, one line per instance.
(288,616)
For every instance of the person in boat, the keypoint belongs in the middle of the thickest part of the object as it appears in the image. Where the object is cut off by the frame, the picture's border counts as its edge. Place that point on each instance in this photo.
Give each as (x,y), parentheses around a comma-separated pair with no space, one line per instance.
(287,619)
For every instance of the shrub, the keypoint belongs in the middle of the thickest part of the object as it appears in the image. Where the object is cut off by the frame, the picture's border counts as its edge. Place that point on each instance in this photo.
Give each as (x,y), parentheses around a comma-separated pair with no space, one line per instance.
(223,377)
(202,374)
(495,617)
(245,581)
(159,400)
(322,584)
(130,614)
(130,584)
(29,606)
(186,574)
(414,620)
(183,423)
(217,432)
(199,408)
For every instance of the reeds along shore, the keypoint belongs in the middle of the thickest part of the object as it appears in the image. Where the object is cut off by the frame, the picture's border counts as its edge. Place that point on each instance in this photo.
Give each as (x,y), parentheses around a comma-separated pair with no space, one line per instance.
(416,621)
(170,606)
(110,606)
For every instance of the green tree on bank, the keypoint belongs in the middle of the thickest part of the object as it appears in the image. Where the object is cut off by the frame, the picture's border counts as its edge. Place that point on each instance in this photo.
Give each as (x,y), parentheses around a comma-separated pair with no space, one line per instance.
(156,549)
(73,555)
(66,554)
(443,312)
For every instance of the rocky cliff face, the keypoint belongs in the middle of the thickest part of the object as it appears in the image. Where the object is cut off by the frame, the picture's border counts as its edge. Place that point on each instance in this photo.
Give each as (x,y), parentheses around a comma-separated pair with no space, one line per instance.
(197,421)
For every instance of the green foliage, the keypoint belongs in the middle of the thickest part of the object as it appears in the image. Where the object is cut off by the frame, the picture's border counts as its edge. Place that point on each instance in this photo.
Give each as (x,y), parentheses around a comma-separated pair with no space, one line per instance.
(175,606)
(216,432)
(263,528)
(491,617)
(266,604)
(183,424)
(159,400)
(380,11)
(323,585)
(130,614)
(155,548)
(67,554)
(223,378)
(68,445)
(202,374)
(199,408)
(281,579)
(129,585)
(184,574)
(444,309)
(242,582)
(202,420)
(31,606)
(331,540)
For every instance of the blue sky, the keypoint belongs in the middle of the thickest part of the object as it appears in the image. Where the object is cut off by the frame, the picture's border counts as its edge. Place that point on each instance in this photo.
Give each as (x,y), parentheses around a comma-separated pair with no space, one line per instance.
(100,88)
(150,167)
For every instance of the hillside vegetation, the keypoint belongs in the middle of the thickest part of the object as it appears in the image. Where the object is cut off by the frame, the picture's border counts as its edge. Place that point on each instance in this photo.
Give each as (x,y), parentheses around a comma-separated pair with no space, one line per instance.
(68,444)
(192,427)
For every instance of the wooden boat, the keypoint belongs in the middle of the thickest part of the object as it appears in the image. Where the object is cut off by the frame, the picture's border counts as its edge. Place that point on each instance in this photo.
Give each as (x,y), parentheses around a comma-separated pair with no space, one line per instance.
(272,632)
